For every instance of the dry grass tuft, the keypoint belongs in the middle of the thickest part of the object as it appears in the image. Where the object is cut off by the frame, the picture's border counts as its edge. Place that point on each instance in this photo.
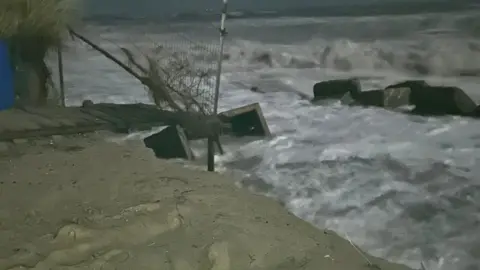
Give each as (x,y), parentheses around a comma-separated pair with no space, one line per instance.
(36,18)
(32,28)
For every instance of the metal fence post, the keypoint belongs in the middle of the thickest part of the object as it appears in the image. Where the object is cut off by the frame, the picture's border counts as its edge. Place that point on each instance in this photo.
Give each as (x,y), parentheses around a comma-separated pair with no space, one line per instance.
(223,33)
(211,139)
(60,75)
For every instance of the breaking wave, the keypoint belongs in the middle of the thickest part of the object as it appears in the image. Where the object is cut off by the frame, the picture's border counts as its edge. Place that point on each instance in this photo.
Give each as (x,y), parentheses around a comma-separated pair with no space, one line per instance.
(447,57)
(428,44)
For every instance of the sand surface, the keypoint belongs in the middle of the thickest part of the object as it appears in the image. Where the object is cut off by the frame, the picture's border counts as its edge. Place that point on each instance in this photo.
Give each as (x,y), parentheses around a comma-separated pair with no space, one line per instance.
(91,204)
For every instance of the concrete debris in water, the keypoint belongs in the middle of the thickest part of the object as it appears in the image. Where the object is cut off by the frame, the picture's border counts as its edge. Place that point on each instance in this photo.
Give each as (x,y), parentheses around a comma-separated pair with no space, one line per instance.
(425,99)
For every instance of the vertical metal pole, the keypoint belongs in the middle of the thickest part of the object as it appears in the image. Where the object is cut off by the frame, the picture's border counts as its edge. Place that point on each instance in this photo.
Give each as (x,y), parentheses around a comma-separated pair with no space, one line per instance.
(210,154)
(60,75)
(223,33)
(211,139)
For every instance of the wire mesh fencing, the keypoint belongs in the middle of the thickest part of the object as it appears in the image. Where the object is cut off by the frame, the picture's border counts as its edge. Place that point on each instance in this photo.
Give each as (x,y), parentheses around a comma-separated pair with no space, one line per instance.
(175,63)
(182,69)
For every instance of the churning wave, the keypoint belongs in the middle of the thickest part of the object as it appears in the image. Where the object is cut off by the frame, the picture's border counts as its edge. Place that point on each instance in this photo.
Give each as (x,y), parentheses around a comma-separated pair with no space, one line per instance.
(426,44)
(403,187)
(430,56)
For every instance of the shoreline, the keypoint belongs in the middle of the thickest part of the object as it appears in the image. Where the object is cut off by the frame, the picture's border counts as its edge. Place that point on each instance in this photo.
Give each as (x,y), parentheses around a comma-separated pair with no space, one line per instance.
(90,204)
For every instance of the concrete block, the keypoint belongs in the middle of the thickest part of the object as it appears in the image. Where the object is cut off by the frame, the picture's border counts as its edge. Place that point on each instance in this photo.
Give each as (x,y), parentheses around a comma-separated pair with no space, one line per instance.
(335,89)
(442,100)
(246,121)
(370,98)
(170,142)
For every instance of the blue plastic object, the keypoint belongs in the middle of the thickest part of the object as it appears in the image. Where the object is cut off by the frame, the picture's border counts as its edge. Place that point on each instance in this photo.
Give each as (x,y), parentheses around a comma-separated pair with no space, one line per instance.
(7,92)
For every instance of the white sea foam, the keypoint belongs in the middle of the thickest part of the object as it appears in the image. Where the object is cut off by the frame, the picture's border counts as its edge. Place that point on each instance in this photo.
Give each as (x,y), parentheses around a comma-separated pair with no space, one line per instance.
(404,187)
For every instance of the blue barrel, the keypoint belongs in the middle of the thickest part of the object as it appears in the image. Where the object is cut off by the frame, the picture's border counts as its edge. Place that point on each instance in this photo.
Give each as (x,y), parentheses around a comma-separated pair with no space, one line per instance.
(7,92)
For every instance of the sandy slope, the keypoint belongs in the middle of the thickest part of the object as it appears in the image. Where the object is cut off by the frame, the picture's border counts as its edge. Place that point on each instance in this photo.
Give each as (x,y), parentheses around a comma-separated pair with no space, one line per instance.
(110,206)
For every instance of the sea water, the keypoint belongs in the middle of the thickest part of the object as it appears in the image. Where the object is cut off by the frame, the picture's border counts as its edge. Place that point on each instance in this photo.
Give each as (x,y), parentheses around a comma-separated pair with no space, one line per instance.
(403,187)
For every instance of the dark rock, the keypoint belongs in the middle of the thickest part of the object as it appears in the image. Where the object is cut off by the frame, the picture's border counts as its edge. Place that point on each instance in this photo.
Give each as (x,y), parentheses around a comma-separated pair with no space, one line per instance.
(246,121)
(437,100)
(442,100)
(87,103)
(171,142)
(335,89)
(476,112)
(264,58)
(369,98)
(255,89)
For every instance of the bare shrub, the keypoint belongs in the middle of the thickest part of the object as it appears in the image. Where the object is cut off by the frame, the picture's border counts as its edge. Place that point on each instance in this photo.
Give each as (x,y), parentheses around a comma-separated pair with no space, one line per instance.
(45,18)
(175,82)
(171,79)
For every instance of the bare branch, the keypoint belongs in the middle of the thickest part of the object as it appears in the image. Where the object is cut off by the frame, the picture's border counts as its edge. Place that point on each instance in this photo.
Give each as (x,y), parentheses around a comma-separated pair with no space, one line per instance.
(171,80)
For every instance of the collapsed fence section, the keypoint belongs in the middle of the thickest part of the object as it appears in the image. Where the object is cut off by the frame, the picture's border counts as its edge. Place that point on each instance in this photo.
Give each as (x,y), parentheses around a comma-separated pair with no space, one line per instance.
(184,72)
(180,71)
(177,71)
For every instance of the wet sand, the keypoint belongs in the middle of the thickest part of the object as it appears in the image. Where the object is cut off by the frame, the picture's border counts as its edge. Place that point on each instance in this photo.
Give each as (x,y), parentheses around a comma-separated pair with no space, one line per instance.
(84,203)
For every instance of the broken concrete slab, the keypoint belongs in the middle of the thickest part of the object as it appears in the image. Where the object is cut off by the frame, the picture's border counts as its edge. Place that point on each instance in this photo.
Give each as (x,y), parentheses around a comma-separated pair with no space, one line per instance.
(169,143)
(246,121)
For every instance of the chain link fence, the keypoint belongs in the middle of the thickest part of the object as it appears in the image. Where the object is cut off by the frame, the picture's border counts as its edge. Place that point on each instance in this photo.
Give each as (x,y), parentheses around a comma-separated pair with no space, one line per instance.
(185,65)
(177,64)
